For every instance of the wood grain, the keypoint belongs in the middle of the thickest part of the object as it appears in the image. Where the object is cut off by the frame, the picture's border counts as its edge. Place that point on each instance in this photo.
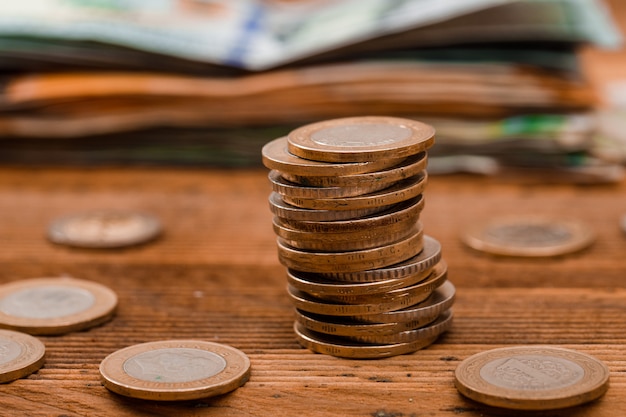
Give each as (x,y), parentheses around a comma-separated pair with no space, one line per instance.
(214,275)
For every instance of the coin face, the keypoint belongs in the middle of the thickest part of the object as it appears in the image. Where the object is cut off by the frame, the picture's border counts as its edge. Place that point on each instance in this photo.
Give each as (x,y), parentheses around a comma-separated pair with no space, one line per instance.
(359,139)
(104,229)
(532,378)
(175,370)
(20,355)
(52,306)
(529,236)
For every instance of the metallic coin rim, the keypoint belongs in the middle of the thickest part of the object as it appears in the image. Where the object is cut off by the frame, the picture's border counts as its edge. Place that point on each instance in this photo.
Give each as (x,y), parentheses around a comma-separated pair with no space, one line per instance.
(426,259)
(281,209)
(398,192)
(352,260)
(275,155)
(30,359)
(441,299)
(397,213)
(300,143)
(289,189)
(103,309)
(114,377)
(470,384)
(56,231)
(474,237)
(407,168)
(409,296)
(344,348)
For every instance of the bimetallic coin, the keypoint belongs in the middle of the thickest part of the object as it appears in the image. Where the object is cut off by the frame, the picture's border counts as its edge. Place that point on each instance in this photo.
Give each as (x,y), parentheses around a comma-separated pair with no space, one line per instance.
(292,190)
(287,211)
(346,348)
(276,156)
(104,229)
(441,325)
(405,211)
(532,378)
(426,259)
(409,167)
(52,306)
(175,370)
(531,236)
(400,191)
(441,300)
(359,260)
(321,287)
(359,139)
(20,355)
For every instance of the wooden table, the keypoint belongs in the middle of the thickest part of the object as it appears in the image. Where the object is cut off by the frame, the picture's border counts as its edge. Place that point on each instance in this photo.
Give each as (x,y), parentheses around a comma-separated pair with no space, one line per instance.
(214,275)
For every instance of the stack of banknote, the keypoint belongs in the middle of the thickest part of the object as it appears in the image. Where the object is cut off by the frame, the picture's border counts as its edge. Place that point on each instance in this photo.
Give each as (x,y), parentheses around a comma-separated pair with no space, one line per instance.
(210,82)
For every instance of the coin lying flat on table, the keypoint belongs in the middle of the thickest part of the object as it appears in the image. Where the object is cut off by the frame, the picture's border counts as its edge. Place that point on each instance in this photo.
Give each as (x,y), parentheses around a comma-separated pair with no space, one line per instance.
(529,236)
(175,370)
(104,229)
(360,139)
(20,355)
(52,306)
(532,378)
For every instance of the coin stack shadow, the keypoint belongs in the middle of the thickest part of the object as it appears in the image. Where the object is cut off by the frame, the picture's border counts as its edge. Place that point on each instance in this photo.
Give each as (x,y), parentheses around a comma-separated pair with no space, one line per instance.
(364,279)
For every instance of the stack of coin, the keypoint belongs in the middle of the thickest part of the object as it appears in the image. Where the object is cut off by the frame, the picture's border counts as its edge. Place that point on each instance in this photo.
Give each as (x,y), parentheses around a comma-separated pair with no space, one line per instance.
(347,195)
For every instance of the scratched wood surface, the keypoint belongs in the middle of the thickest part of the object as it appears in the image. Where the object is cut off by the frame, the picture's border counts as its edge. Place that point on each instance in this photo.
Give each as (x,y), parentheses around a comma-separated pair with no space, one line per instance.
(214,275)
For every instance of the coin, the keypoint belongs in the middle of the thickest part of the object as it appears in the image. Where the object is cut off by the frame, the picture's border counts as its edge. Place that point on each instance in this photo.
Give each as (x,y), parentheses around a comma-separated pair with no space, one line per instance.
(441,299)
(293,190)
(531,236)
(52,306)
(426,259)
(439,326)
(104,229)
(287,211)
(400,191)
(358,260)
(276,156)
(20,355)
(532,377)
(346,348)
(175,370)
(401,212)
(359,139)
(407,168)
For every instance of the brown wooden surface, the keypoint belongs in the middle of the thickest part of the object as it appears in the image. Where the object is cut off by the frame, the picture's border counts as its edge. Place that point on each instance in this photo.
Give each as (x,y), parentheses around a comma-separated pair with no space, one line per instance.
(215,276)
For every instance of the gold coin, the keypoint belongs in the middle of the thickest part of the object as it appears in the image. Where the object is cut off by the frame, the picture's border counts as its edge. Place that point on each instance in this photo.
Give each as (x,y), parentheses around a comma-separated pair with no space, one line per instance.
(20,355)
(409,167)
(532,378)
(320,286)
(358,260)
(426,259)
(441,300)
(175,370)
(346,348)
(292,190)
(287,211)
(336,242)
(52,306)
(400,191)
(346,326)
(400,299)
(531,236)
(276,155)
(439,326)
(359,139)
(405,211)
(104,229)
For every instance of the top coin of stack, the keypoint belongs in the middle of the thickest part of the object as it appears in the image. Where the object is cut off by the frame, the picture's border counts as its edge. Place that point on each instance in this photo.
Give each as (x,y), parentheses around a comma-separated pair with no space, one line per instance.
(347,195)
